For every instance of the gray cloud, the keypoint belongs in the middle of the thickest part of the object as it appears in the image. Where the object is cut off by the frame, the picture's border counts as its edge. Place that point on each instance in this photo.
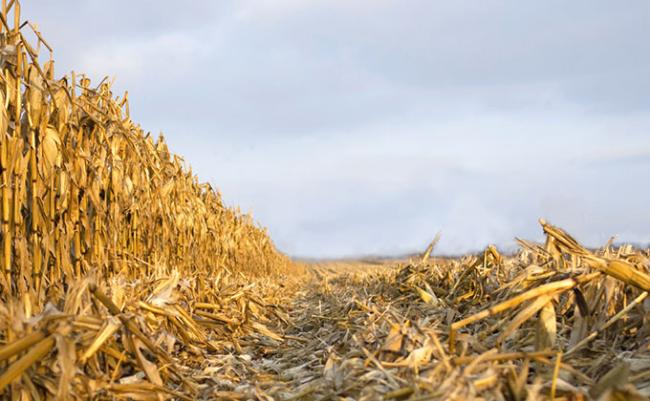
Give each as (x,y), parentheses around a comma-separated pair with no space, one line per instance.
(366,127)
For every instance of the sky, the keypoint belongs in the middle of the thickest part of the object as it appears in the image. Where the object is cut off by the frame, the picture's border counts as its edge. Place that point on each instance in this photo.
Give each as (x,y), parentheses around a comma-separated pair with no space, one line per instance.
(366,127)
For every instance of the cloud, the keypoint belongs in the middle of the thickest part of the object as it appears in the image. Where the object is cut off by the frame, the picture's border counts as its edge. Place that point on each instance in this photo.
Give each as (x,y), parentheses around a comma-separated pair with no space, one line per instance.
(366,127)
(138,59)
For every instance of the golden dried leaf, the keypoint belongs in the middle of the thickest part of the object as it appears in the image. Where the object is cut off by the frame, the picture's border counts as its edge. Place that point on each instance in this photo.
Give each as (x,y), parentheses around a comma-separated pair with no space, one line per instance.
(51,145)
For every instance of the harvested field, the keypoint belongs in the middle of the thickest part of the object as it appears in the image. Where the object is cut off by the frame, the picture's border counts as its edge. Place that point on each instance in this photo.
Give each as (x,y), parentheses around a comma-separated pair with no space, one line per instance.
(125,278)
(556,321)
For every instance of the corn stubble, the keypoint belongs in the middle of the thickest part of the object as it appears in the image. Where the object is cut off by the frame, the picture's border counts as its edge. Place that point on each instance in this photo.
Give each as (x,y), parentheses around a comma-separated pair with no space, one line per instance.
(123,277)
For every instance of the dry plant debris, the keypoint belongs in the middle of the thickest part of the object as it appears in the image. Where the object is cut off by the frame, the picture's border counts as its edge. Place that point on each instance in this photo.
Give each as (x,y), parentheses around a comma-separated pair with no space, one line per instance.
(124,278)
(554,321)
(547,323)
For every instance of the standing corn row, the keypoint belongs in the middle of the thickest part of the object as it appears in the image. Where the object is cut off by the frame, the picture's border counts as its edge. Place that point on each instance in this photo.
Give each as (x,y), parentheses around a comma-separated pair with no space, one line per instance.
(85,190)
